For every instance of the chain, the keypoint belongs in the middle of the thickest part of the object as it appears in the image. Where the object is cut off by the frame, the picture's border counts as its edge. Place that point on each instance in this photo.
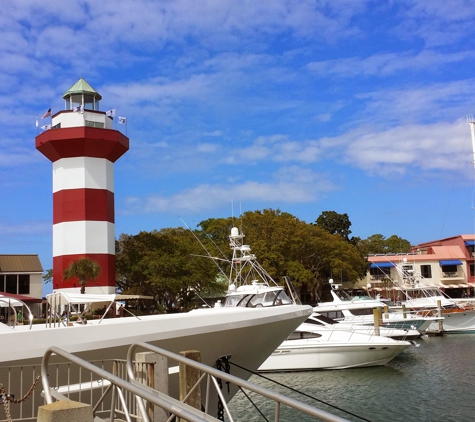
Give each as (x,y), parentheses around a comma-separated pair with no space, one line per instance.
(223,365)
(9,398)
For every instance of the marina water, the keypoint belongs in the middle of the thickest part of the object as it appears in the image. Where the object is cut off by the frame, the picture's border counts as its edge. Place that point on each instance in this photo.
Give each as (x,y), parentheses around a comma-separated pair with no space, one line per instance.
(433,382)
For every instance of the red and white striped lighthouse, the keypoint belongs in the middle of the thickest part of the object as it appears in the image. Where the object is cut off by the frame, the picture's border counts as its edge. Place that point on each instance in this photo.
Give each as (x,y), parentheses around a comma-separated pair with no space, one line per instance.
(83,147)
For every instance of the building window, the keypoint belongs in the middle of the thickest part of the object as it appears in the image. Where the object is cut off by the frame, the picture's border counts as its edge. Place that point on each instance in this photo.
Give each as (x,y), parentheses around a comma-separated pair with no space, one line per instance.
(24,284)
(426,271)
(449,268)
(11,284)
(380,271)
(2,283)
(472,269)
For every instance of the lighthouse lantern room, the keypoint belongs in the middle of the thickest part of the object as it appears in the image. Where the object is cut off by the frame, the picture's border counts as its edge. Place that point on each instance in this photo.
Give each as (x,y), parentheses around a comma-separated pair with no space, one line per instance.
(83,147)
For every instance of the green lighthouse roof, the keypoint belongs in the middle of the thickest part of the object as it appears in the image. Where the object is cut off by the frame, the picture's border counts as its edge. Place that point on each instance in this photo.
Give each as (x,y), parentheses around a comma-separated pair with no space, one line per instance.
(82,87)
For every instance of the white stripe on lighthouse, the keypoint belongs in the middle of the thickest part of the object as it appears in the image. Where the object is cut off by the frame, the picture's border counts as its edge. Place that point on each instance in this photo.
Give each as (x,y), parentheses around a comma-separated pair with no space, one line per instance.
(83,172)
(83,237)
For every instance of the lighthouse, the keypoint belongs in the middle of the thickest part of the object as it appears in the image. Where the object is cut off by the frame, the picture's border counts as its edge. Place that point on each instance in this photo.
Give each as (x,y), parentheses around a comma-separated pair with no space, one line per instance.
(83,147)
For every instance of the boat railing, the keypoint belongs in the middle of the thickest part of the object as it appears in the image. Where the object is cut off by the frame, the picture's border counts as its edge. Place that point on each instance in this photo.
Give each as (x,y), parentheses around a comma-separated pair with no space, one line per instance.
(209,381)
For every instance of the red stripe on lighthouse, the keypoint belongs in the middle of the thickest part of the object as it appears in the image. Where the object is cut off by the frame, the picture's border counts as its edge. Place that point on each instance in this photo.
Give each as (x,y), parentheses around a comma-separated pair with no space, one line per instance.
(83,204)
(106,277)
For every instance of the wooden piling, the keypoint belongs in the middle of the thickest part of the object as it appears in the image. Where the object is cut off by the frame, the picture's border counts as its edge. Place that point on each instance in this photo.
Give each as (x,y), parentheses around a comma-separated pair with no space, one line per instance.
(376,316)
(188,378)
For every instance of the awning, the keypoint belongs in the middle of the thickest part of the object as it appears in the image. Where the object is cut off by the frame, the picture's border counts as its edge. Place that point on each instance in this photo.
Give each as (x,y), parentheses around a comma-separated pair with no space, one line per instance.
(77,298)
(450,262)
(470,243)
(22,298)
(381,265)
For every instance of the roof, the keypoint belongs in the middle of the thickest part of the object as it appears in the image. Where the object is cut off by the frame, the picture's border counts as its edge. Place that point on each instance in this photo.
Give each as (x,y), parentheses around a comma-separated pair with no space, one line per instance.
(82,87)
(438,253)
(20,264)
(16,300)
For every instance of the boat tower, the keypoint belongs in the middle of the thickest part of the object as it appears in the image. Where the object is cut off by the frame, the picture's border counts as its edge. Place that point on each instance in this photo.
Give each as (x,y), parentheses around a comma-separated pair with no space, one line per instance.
(83,147)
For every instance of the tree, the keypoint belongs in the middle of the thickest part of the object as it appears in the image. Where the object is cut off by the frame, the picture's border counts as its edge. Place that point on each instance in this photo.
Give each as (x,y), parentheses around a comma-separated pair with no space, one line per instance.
(335,223)
(166,264)
(287,246)
(84,269)
(378,244)
(48,276)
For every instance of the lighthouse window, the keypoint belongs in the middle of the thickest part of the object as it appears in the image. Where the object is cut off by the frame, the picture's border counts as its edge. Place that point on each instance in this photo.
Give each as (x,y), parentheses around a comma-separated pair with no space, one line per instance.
(76,100)
(89,102)
(94,124)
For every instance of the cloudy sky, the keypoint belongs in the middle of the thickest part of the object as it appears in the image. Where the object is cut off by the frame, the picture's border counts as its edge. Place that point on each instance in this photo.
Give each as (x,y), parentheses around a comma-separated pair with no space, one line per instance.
(353,106)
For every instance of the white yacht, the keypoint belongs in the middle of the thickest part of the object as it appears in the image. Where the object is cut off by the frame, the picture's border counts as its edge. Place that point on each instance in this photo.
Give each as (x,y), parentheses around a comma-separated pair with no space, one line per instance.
(312,346)
(359,310)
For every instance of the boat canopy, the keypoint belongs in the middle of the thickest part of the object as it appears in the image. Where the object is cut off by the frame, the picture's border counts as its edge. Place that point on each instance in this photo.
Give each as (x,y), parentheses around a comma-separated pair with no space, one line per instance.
(77,298)
(7,302)
(450,262)
(382,265)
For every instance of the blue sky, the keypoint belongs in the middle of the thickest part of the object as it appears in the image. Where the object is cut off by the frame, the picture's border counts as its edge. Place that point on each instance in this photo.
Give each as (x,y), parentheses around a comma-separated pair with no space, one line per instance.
(353,106)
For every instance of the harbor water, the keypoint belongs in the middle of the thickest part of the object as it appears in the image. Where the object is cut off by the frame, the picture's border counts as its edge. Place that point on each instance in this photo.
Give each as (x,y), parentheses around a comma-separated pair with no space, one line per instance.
(433,382)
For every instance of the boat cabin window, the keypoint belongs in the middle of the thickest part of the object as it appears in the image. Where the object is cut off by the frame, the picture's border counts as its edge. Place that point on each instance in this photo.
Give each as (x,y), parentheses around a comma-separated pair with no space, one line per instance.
(237,300)
(303,335)
(332,314)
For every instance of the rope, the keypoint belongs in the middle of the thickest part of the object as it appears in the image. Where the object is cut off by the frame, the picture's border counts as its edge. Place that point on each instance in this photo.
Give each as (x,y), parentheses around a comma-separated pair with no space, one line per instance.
(302,393)
(9,398)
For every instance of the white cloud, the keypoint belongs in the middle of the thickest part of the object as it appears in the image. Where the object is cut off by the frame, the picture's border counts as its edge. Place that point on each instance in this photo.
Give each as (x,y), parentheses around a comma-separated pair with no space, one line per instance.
(388,64)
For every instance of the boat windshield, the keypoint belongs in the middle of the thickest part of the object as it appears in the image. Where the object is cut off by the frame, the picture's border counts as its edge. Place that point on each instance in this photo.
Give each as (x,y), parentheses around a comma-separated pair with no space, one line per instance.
(270,298)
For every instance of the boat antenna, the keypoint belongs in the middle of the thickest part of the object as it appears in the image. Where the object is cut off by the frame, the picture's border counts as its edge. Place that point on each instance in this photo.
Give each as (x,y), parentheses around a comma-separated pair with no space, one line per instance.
(206,250)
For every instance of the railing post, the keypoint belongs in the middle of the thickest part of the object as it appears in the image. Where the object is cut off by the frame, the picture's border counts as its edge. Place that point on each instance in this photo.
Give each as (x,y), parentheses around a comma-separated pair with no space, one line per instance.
(188,378)
(157,379)
(65,411)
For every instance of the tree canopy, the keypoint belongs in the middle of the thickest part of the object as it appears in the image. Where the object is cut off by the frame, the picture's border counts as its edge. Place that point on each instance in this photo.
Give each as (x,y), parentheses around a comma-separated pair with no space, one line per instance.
(165,264)
(377,244)
(174,265)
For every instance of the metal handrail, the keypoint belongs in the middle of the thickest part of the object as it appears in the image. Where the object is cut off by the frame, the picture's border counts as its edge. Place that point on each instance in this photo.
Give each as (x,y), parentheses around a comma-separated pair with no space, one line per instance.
(119,383)
(215,373)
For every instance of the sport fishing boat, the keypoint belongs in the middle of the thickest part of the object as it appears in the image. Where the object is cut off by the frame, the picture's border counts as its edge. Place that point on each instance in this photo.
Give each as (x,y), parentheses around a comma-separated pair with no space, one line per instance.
(359,310)
(425,299)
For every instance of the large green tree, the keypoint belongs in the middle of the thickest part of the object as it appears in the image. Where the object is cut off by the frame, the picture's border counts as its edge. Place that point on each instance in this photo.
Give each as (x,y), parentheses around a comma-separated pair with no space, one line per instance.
(84,269)
(167,264)
(287,246)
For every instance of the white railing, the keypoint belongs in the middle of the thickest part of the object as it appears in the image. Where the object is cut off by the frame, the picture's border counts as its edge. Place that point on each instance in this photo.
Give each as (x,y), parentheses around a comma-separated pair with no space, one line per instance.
(209,380)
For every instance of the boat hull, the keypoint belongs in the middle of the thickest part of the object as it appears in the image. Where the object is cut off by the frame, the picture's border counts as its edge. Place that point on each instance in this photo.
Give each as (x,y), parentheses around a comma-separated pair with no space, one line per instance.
(303,356)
